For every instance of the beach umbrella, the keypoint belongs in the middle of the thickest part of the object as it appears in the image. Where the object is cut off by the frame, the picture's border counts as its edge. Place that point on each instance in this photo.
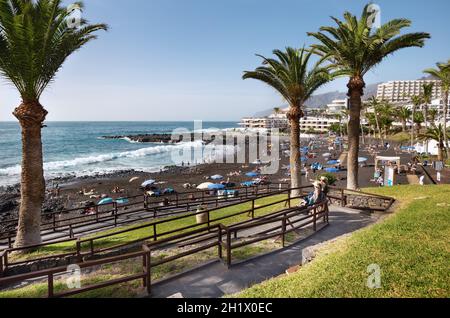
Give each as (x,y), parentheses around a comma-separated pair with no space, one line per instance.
(326,155)
(122,201)
(168,191)
(362,159)
(204,186)
(304,159)
(106,201)
(332,170)
(248,184)
(148,183)
(217,177)
(134,179)
(333,162)
(216,187)
(252,174)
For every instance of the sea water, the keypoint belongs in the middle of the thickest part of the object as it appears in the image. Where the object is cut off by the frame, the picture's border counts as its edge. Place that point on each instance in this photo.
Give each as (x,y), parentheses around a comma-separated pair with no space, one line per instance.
(77,148)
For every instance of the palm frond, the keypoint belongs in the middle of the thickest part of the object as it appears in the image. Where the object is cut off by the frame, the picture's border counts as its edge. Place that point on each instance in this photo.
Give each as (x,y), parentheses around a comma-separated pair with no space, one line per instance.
(36,38)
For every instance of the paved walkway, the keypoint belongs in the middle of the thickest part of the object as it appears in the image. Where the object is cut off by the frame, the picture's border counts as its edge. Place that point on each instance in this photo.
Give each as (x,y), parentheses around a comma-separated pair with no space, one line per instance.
(215,280)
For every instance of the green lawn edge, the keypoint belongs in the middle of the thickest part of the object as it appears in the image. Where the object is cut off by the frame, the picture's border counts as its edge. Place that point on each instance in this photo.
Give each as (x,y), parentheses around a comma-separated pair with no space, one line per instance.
(411,247)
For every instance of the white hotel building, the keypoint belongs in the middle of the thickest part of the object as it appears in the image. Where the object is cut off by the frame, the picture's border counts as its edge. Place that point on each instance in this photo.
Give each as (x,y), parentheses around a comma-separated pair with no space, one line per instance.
(280,121)
(400,93)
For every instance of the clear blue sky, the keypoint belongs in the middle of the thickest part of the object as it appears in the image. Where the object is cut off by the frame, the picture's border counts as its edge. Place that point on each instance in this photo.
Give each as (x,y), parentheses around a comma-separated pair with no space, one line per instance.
(183,59)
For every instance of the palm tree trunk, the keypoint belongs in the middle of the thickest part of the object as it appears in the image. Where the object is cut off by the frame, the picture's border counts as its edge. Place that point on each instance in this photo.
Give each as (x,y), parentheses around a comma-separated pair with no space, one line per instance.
(356,87)
(378,127)
(425,114)
(441,151)
(404,128)
(445,124)
(294,116)
(362,134)
(31,115)
(412,125)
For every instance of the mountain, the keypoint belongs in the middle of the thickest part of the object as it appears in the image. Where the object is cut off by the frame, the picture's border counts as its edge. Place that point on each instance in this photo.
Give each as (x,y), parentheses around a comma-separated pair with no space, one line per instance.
(322,100)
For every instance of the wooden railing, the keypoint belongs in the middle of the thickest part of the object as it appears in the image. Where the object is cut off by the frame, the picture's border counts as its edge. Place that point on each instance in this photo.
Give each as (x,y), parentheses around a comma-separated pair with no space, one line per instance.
(109,215)
(212,236)
(50,274)
(225,238)
(314,215)
(87,246)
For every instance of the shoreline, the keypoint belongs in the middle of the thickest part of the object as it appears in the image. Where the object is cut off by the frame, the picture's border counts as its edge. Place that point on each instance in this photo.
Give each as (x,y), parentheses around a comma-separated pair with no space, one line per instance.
(71,187)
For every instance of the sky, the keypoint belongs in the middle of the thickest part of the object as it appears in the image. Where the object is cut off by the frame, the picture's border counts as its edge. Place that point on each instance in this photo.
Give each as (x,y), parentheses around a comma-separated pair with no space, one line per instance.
(182,60)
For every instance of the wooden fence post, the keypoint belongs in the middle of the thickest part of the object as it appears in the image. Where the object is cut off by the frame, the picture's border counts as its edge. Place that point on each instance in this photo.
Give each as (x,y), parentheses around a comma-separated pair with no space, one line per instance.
(1,265)
(50,286)
(253,208)
(79,258)
(228,248)
(315,219)
(219,248)
(289,199)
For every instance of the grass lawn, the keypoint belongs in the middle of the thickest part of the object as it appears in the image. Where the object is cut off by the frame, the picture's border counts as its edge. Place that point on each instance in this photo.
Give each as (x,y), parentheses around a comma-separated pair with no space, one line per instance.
(400,137)
(411,247)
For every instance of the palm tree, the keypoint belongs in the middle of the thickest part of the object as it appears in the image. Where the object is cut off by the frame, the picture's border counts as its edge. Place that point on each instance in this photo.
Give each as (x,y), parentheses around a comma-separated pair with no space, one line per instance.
(419,120)
(277,110)
(386,117)
(375,105)
(404,114)
(416,101)
(432,115)
(442,72)
(354,48)
(288,74)
(427,95)
(339,117)
(35,40)
(436,133)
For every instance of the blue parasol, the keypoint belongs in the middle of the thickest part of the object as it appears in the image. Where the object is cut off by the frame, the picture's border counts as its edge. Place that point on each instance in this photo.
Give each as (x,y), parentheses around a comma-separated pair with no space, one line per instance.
(122,201)
(252,174)
(248,184)
(106,201)
(216,187)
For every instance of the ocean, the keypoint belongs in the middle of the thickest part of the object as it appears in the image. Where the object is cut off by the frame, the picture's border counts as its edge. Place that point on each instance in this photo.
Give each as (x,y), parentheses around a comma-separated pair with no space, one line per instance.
(77,148)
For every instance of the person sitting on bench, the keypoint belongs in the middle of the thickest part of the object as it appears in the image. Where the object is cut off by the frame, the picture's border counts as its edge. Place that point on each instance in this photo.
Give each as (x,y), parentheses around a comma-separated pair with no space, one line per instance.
(314,197)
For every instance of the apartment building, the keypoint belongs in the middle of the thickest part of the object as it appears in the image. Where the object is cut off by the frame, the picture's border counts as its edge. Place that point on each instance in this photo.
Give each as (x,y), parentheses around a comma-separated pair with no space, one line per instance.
(337,106)
(401,91)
